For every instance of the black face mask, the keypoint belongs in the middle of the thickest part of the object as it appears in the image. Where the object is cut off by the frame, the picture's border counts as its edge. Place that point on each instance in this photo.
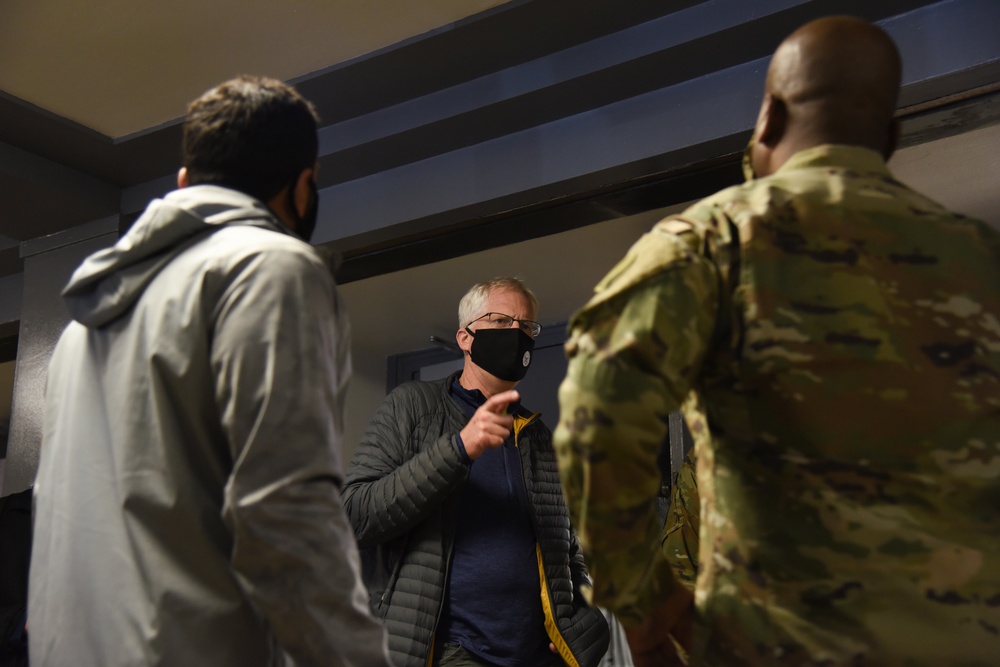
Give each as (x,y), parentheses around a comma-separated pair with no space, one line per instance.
(306,224)
(506,353)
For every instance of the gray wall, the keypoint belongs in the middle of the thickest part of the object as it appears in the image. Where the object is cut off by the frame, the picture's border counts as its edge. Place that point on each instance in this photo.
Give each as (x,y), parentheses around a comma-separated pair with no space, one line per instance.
(48,264)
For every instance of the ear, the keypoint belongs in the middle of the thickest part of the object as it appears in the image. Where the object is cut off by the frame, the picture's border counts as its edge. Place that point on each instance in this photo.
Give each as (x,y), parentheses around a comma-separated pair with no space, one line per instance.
(301,191)
(772,122)
(892,140)
(464,340)
(182,178)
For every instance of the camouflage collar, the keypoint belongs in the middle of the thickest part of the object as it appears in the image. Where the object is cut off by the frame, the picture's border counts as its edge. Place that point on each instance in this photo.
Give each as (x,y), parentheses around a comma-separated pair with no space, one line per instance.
(854,158)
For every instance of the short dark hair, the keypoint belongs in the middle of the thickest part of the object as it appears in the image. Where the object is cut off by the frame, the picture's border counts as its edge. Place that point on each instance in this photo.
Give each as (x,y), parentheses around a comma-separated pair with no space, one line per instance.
(252,134)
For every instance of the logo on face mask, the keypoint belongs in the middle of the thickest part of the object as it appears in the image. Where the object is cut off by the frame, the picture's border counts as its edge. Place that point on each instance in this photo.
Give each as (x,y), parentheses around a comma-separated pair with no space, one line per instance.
(505,353)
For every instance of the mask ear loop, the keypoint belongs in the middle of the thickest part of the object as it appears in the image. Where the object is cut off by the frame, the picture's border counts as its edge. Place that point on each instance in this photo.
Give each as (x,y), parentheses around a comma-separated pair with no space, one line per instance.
(291,207)
(291,194)
(747,162)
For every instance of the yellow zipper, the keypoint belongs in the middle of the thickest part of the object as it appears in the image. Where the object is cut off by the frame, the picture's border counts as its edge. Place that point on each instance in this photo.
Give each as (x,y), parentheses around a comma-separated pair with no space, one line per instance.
(550,620)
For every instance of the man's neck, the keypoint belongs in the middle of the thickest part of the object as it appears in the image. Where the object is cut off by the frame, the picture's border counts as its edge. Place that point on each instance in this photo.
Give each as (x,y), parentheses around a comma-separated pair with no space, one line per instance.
(474,377)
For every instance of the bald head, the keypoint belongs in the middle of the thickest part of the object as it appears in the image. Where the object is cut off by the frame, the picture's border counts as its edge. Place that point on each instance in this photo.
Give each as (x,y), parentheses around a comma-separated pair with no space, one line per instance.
(834,80)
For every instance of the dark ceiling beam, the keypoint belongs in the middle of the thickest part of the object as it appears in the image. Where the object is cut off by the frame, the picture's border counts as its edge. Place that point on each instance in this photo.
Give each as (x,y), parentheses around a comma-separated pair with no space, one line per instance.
(689,43)
(508,35)
(39,196)
(648,133)
(557,213)
(953,114)
(81,186)
(662,52)
(596,203)
(119,161)
(513,35)
(575,167)
(531,107)
(948,47)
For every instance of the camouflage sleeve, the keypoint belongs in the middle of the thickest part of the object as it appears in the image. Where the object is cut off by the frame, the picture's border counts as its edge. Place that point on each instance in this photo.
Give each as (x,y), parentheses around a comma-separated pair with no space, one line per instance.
(633,351)
(680,534)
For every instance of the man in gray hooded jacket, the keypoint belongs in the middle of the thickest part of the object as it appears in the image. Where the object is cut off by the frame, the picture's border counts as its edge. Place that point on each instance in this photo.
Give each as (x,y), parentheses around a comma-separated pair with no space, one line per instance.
(188,507)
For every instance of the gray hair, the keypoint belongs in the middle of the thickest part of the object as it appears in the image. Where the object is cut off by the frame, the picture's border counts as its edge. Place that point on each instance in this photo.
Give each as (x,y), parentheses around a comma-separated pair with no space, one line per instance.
(472,304)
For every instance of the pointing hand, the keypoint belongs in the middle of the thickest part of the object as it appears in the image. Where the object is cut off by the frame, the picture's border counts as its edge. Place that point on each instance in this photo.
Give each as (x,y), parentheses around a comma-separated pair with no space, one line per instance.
(490,426)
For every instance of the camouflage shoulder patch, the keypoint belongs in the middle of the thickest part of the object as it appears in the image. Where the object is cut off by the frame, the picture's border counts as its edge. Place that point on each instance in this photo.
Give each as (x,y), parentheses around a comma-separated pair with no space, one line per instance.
(672,241)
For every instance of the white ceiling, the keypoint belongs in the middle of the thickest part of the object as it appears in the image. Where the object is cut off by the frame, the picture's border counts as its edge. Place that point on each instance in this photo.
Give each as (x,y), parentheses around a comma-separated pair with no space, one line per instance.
(92,62)
(85,61)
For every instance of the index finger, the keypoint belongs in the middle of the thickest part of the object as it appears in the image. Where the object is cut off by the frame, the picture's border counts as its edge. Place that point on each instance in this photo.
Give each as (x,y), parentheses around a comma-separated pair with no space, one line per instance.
(497,403)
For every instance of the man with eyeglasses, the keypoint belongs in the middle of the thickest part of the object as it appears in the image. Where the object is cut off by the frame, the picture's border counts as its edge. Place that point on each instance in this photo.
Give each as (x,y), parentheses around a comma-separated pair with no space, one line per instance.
(455,499)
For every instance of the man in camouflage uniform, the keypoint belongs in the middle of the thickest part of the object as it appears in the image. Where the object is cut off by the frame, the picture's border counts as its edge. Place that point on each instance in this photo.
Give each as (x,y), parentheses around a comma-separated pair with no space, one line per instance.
(843,334)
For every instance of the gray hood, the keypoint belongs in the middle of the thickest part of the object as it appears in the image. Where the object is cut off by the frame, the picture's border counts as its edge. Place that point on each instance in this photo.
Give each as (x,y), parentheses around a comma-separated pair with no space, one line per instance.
(108,282)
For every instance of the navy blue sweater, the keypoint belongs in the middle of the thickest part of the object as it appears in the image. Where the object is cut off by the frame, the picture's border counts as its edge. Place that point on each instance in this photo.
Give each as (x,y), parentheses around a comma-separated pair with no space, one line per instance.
(492,603)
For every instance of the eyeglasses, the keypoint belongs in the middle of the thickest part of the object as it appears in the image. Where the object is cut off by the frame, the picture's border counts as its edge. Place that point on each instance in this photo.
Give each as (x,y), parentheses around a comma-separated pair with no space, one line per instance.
(501,321)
